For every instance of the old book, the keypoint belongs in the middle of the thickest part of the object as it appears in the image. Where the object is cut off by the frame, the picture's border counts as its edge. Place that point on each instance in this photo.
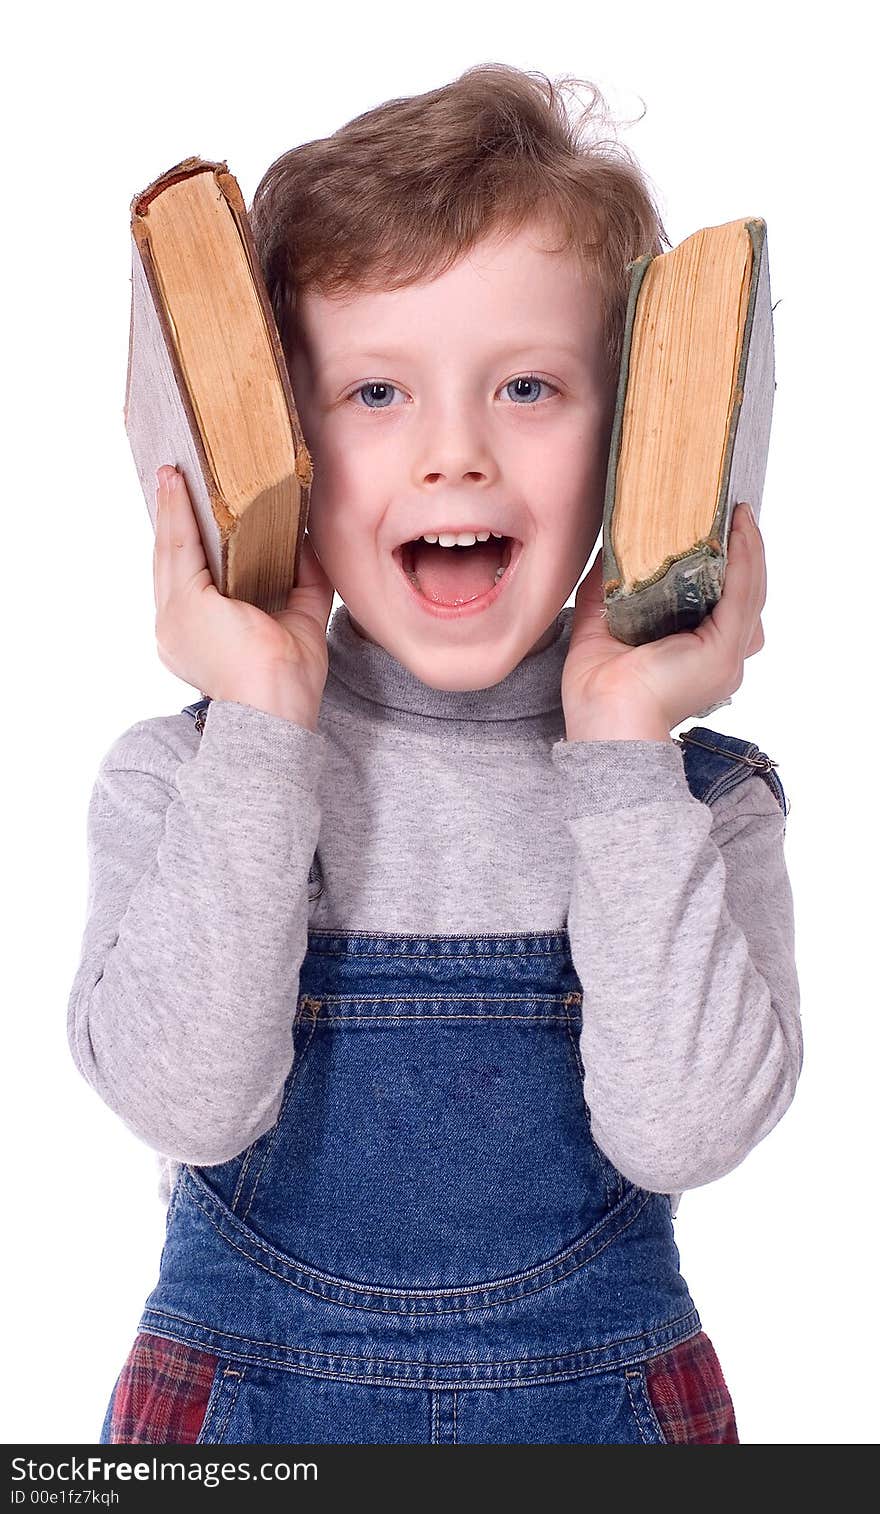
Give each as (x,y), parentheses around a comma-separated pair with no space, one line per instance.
(207,386)
(691,429)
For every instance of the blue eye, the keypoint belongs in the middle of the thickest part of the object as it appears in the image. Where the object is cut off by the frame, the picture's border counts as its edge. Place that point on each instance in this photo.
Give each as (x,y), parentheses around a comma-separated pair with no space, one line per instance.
(385,389)
(381,391)
(527,378)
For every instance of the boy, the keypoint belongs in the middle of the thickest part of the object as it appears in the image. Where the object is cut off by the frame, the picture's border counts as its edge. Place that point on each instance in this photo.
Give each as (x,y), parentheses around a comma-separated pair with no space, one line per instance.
(428,1123)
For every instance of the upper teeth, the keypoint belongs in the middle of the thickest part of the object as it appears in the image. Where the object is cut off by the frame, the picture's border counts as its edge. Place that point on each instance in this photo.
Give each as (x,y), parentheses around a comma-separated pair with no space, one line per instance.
(463,539)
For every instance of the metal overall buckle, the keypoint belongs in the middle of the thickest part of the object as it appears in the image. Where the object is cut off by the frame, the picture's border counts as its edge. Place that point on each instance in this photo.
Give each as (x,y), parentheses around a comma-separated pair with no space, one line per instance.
(762,762)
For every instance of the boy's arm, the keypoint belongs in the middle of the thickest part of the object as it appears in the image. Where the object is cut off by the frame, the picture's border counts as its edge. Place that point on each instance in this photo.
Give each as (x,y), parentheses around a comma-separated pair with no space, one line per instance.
(181,1010)
(682,932)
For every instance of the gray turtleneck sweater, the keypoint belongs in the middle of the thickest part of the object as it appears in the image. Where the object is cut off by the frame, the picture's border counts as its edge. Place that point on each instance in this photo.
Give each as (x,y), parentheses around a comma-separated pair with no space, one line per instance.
(434,812)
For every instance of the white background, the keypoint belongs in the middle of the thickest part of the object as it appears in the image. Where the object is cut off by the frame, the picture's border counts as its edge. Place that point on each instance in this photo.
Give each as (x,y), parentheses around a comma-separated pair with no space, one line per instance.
(750,110)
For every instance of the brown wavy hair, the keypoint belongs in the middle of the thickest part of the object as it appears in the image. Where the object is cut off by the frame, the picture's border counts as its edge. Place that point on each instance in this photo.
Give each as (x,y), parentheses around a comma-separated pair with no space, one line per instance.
(400,193)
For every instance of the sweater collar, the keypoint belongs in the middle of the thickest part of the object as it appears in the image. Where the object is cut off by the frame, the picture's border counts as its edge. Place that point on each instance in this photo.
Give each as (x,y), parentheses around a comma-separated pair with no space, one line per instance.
(365,675)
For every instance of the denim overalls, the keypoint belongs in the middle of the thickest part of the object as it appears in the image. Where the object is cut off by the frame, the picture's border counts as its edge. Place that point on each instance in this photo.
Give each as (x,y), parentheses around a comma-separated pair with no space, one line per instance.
(428,1246)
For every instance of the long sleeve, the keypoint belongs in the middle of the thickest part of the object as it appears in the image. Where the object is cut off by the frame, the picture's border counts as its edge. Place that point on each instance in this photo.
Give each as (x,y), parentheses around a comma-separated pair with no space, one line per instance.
(182,1005)
(682,932)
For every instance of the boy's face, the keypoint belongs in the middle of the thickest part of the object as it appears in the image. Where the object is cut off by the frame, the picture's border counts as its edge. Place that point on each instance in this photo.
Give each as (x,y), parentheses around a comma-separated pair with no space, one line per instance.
(477,401)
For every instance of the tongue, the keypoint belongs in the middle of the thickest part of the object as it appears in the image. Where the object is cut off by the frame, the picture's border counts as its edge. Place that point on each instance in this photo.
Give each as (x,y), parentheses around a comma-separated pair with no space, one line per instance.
(454,575)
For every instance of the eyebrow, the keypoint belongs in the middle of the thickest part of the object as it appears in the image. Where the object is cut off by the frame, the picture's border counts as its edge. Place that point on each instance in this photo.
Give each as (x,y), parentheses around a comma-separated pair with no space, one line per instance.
(395,354)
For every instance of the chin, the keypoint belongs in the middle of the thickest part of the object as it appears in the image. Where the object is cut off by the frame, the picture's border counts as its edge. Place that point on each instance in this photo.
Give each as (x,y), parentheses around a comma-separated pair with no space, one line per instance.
(464,669)
(460,664)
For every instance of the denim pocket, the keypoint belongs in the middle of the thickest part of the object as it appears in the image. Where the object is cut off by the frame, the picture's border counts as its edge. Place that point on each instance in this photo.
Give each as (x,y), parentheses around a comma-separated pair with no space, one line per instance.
(599,1409)
(267,1406)
(426,1143)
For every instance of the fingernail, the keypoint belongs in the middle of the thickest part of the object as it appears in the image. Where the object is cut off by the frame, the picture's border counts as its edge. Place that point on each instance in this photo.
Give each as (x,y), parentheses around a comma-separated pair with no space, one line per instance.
(167,476)
(751,514)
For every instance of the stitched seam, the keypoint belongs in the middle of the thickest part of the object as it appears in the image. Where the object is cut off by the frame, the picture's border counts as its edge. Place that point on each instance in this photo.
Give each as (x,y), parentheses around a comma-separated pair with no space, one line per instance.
(173,1201)
(648,1401)
(477,1291)
(474,1291)
(455,958)
(612,1194)
(231,1397)
(522,1019)
(210,1407)
(415,1313)
(402,1361)
(632,1403)
(294,1073)
(554,937)
(443,998)
(372,1379)
(250,1151)
(575,1049)
(725,784)
(429,998)
(241,1176)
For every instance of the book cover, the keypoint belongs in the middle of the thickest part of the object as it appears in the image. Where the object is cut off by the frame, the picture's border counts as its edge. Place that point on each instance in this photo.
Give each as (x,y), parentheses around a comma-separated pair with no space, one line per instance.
(687,585)
(253,546)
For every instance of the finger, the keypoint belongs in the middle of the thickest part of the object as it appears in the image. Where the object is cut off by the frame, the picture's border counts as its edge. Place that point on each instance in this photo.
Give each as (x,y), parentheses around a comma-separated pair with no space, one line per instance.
(757,540)
(742,596)
(758,544)
(160,544)
(156,555)
(763,566)
(759,581)
(180,553)
(757,640)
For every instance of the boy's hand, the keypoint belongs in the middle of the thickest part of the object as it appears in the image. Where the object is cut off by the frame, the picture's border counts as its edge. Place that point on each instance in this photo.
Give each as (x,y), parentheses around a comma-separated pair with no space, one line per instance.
(612,691)
(224,647)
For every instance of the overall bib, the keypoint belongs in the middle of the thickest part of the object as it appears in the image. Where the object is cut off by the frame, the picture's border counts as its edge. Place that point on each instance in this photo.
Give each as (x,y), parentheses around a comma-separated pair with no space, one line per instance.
(428,1245)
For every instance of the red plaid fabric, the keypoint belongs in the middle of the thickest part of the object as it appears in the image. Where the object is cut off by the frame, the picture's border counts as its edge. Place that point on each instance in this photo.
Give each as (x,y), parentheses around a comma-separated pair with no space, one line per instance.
(162,1394)
(690,1397)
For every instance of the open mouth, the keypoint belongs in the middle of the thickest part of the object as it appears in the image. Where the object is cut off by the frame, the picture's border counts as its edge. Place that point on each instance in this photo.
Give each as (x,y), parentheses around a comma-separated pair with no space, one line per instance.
(457,578)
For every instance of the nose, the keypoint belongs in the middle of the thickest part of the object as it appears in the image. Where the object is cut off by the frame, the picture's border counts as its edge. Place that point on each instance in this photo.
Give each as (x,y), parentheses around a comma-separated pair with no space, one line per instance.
(454,447)
(469,474)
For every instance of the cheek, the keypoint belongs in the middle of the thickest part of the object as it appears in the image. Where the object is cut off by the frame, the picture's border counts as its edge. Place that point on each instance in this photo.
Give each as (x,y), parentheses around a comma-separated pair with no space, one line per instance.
(342,475)
(340,531)
(570,472)
(574,535)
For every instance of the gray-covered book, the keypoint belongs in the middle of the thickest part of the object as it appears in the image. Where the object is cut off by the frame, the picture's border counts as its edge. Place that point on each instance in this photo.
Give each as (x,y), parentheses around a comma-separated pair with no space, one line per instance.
(691,429)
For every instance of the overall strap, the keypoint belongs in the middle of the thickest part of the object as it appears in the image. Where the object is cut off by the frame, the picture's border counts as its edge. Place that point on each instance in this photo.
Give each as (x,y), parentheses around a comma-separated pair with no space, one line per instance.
(714,763)
(198,712)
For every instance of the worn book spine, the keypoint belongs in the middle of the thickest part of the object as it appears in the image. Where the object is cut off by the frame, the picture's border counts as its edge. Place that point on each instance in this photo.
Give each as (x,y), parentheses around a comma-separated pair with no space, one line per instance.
(686,587)
(160,417)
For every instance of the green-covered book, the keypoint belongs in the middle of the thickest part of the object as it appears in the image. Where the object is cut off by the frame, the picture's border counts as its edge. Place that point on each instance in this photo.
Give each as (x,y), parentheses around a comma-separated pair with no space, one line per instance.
(691,428)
